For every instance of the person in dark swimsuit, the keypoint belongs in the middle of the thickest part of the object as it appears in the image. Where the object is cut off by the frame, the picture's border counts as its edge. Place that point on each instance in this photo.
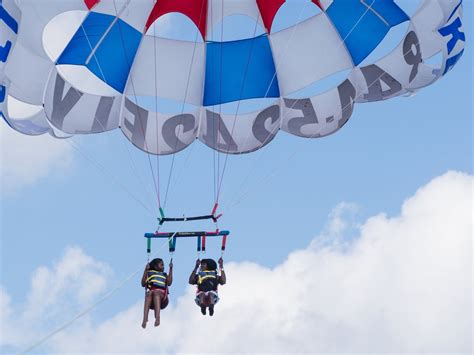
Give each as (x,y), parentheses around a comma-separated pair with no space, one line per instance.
(206,277)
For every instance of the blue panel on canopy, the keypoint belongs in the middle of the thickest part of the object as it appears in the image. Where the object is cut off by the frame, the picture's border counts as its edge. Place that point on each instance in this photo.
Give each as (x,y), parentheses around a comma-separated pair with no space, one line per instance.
(364,24)
(113,58)
(239,70)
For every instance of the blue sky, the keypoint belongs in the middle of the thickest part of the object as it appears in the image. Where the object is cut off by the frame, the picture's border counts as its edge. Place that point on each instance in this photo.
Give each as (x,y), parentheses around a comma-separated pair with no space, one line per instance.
(275,201)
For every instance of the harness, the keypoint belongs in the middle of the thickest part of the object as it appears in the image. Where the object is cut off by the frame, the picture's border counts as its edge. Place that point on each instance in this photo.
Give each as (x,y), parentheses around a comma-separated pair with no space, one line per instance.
(156,280)
(207,280)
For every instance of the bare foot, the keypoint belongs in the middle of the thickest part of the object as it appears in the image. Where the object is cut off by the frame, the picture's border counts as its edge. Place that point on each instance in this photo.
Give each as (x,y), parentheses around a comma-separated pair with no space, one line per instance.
(157,322)
(144,324)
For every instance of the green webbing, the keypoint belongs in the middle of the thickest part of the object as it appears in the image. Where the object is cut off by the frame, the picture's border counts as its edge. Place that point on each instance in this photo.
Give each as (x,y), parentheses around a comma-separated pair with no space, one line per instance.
(148,245)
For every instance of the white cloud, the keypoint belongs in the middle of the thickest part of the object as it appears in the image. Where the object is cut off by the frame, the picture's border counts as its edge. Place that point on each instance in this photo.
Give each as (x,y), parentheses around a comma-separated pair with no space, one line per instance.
(403,285)
(55,295)
(26,159)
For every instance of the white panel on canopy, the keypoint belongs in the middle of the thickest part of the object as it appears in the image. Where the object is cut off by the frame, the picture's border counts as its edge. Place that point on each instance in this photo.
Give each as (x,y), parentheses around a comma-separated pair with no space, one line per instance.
(240,133)
(133,12)
(28,73)
(73,111)
(36,15)
(427,20)
(219,9)
(83,80)
(170,69)
(322,114)
(29,66)
(158,133)
(32,124)
(308,52)
(59,31)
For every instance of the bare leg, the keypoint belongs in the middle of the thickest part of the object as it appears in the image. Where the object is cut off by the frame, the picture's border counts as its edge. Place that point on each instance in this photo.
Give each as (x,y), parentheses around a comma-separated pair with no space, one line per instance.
(146,309)
(202,303)
(211,305)
(157,301)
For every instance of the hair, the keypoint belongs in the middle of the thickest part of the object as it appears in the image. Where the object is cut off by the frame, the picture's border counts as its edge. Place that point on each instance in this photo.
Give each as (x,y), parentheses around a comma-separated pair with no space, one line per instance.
(154,263)
(211,264)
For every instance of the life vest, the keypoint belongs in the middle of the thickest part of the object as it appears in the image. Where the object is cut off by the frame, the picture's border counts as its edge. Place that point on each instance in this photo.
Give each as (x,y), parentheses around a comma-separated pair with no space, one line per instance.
(207,280)
(156,279)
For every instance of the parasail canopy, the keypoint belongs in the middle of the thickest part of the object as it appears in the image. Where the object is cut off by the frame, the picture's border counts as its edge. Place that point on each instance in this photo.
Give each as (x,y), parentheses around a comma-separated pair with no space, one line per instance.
(96,65)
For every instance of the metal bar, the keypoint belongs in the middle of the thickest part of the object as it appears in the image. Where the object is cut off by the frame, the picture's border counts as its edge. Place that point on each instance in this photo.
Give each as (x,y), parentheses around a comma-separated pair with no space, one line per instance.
(183,219)
(187,234)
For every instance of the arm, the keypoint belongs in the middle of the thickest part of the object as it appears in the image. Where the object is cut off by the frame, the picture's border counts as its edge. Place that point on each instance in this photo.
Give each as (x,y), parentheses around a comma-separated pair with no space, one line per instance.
(222,278)
(169,280)
(193,277)
(147,267)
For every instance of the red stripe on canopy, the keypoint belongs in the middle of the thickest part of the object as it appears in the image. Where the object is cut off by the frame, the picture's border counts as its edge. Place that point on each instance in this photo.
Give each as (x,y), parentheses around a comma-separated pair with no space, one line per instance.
(91,3)
(269,8)
(196,10)
(318,4)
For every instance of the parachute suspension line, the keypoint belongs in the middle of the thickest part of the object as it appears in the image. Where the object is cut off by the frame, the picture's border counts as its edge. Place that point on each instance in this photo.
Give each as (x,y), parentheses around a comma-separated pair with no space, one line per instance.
(213,151)
(261,153)
(285,50)
(103,77)
(107,174)
(136,171)
(138,111)
(183,106)
(237,109)
(92,50)
(268,176)
(107,32)
(156,116)
(220,101)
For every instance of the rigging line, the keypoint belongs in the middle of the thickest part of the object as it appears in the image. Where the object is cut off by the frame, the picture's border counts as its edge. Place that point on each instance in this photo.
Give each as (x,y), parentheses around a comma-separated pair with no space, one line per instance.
(291,36)
(214,152)
(107,31)
(238,106)
(186,162)
(136,100)
(95,304)
(100,123)
(220,100)
(133,166)
(95,57)
(214,187)
(184,104)
(268,176)
(104,171)
(285,50)
(369,8)
(156,112)
(135,170)
(103,77)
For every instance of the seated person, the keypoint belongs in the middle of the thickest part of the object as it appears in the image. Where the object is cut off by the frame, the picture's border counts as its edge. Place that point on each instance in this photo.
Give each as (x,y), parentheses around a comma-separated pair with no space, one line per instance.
(157,282)
(206,277)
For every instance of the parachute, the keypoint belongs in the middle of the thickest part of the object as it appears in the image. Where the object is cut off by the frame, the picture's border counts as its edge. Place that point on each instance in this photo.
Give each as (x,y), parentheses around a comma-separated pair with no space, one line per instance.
(91,66)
